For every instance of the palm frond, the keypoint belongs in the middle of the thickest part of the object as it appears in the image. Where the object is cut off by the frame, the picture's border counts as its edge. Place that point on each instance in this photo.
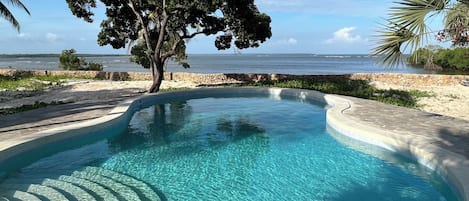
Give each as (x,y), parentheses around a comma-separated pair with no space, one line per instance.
(7,15)
(457,21)
(19,4)
(392,37)
(406,28)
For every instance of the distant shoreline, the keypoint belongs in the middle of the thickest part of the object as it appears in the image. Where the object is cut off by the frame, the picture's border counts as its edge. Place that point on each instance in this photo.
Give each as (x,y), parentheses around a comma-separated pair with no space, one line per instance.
(55,55)
(197,54)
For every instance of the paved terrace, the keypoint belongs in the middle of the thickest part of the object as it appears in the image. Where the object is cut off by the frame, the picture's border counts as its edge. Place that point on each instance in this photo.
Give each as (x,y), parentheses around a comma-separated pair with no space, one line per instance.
(26,124)
(446,132)
(412,126)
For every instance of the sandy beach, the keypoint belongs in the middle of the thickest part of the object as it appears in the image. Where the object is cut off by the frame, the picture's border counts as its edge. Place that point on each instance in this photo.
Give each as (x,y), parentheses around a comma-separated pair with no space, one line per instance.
(450,101)
(446,100)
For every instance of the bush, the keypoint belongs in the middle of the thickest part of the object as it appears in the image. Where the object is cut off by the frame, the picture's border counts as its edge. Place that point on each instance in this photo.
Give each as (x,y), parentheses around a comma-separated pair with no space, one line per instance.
(448,59)
(69,61)
(420,57)
(349,87)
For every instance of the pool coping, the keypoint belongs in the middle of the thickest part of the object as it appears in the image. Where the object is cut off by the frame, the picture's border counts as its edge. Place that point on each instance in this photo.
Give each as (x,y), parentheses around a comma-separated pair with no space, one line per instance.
(454,167)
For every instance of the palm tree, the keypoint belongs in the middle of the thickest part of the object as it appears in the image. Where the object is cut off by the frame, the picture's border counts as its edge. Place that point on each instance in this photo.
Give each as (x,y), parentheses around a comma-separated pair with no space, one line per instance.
(5,13)
(457,25)
(406,27)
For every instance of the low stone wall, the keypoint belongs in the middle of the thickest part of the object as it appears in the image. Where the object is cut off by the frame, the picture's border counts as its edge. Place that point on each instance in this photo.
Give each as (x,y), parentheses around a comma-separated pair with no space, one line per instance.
(219,78)
(412,79)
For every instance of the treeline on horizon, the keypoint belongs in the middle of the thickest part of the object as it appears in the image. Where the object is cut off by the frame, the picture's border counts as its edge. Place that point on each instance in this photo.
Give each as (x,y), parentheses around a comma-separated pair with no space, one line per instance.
(55,55)
(105,55)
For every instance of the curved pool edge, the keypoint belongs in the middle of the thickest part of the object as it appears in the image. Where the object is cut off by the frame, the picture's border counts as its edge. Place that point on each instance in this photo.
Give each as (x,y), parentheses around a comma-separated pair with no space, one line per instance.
(452,166)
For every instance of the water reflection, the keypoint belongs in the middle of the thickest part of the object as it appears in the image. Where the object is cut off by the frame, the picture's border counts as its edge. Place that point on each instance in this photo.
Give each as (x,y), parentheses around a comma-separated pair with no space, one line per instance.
(175,125)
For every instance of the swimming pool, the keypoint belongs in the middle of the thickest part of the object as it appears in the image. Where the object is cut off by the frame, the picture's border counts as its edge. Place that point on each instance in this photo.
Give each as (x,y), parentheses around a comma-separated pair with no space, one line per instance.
(237,146)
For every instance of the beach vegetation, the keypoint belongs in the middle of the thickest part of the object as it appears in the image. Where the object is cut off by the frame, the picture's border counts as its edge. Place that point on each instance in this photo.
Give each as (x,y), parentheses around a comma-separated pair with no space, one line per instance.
(68,60)
(406,28)
(30,82)
(349,87)
(156,31)
(6,14)
(454,59)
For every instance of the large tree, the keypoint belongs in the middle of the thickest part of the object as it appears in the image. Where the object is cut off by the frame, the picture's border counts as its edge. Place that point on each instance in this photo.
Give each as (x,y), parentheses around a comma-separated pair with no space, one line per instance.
(406,27)
(6,13)
(157,30)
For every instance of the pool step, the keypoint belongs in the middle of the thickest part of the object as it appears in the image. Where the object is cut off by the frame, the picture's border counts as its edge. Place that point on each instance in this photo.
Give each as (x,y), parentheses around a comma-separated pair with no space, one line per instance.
(18,195)
(90,183)
(122,191)
(100,192)
(138,186)
(73,190)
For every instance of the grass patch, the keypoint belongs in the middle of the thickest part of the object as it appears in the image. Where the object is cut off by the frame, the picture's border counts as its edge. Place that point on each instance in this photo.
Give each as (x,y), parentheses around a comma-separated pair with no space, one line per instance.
(36,105)
(31,82)
(354,88)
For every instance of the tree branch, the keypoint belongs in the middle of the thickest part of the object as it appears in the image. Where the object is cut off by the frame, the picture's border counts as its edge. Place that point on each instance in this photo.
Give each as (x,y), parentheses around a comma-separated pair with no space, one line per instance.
(161,33)
(171,52)
(146,34)
(186,36)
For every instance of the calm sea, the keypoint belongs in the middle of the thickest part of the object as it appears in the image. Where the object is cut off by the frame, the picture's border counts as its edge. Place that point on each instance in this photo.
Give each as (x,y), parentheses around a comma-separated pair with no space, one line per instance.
(227,63)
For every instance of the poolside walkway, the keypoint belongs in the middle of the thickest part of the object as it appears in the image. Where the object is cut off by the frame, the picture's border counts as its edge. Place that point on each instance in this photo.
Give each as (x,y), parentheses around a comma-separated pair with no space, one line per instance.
(449,133)
(24,124)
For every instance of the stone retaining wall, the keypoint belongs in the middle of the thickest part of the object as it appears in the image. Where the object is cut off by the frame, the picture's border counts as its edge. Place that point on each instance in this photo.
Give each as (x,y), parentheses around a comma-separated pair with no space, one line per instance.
(219,78)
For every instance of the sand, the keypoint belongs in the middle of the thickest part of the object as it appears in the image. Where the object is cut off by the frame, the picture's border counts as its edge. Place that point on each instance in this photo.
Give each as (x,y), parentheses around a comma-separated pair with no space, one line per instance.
(450,101)
(447,100)
(87,90)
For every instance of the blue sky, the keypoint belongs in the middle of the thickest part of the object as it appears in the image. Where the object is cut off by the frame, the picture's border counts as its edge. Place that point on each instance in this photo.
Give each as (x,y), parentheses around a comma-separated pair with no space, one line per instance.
(298,26)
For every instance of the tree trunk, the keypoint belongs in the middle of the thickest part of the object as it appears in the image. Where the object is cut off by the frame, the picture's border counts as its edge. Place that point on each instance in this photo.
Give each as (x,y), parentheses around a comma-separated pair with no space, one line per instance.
(157,77)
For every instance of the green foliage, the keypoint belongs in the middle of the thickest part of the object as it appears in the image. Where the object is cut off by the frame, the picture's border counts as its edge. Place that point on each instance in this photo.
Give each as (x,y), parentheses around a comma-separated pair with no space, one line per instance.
(448,59)
(348,87)
(457,24)
(68,60)
(423,55)
(457,59)
(139,55)
(30,82)
(158,30)
(453,59)
(406,27)
(6,14)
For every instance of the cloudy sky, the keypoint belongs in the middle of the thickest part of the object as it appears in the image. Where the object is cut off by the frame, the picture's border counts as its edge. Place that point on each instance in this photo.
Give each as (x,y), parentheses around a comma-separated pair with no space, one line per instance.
(298,26)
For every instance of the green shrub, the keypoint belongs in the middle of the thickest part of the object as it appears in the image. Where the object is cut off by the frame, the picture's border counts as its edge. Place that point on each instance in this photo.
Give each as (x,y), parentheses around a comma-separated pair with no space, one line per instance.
(69,61)
(456,59)
(420,57)
(348,87)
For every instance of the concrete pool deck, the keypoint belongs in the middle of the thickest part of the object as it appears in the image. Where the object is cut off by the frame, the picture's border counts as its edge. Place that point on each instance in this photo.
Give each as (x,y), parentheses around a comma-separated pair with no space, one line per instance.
(437,141)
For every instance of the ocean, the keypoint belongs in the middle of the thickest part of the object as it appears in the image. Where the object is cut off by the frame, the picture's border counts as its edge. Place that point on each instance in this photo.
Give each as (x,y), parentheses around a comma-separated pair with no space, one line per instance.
(299,64)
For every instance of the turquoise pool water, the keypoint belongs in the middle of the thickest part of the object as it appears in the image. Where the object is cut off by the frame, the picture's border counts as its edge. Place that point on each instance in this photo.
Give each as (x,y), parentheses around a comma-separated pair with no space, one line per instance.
(241,149)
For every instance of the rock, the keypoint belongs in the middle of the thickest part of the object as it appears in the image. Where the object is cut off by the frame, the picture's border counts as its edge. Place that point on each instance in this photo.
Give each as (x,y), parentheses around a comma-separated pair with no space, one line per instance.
(465,82)
(21,89)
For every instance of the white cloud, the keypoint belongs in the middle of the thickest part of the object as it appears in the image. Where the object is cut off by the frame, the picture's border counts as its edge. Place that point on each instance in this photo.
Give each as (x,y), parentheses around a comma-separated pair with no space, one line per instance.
(345,35)
(51,37)
(292,41)
(288,41)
